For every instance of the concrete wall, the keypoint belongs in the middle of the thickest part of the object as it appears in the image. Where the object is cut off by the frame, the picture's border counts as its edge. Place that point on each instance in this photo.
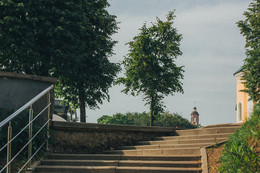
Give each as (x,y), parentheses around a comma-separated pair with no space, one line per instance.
(72,137)
(17,89)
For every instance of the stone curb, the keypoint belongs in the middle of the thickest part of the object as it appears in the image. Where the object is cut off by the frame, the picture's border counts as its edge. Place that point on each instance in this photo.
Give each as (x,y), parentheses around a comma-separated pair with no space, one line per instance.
(204,160)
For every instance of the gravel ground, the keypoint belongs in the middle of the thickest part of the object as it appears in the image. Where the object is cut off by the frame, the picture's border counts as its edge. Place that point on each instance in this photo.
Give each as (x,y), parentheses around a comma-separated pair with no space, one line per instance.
(213,157)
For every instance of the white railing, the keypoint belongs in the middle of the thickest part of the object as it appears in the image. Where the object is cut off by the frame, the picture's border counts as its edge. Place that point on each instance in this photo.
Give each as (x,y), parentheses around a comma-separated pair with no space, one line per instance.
(10,139)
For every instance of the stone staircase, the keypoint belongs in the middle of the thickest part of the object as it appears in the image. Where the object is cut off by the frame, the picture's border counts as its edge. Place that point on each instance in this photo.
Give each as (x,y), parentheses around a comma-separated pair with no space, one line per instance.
(169,154)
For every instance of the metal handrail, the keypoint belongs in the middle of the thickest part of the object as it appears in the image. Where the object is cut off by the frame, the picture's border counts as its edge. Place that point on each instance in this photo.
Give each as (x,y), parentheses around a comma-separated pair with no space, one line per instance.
(25,127)
(33,155)
(26,146)
(5,121)
(31,120)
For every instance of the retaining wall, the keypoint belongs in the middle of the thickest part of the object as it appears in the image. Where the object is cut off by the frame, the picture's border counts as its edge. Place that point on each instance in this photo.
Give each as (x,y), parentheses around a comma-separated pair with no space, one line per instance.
(73,137)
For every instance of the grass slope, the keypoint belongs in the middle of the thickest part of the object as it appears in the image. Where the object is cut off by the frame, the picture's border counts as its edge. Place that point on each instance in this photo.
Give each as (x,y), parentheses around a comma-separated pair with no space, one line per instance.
(241,152)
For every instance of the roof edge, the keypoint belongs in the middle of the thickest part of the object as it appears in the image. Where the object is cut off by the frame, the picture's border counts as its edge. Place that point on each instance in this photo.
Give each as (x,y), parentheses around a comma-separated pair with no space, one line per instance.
(28,77)
(241,69)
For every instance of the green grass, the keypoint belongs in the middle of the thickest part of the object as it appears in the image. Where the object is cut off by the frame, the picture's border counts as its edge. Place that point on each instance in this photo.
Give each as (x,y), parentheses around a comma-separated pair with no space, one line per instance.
(240,154)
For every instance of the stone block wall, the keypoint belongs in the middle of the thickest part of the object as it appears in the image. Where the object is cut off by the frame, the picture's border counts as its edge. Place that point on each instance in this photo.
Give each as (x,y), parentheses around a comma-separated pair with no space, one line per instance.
(73,137)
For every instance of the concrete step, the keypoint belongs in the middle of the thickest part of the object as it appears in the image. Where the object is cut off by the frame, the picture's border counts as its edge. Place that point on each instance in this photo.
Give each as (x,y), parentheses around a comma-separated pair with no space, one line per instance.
(122,157)
(113,169)
(170,154)
(208,136)
(182,141)
(157,170)
(225,125)
(205,131)
(128,163)
(160,146)
(159,152)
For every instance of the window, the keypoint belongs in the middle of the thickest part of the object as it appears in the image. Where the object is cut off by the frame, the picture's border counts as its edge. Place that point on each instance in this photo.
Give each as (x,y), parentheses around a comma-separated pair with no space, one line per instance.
(239,112)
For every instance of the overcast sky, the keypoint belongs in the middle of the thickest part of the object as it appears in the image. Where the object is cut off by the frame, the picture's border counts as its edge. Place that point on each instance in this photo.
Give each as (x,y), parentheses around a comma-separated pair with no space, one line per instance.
(212,47)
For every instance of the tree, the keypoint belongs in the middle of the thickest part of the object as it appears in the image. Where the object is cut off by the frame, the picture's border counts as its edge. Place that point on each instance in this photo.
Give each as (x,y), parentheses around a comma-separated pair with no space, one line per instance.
(250,28)
(150,65)
(92,73)
(70,40)
(141,119)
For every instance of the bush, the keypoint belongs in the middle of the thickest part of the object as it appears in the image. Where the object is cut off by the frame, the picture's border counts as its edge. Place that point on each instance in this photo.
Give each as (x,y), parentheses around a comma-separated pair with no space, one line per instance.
(240,153)
(173,120)
(143,119)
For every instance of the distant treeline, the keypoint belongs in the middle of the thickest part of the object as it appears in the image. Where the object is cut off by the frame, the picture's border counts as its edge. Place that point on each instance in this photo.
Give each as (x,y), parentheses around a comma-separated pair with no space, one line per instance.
(142,119)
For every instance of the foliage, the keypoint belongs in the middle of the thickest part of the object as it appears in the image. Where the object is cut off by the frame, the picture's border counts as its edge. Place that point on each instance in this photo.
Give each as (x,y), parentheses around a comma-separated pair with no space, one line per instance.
(88,79)
(150,67)
(240,152)
(173,120)
(142,119)
(250,28)
(70,40)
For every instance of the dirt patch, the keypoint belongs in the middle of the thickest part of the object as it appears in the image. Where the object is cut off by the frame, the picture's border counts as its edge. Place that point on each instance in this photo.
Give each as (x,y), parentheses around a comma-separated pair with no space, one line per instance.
(213,157)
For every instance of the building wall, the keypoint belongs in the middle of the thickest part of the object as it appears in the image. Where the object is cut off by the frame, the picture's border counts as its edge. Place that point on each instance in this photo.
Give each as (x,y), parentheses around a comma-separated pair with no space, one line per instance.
(195,119)
(17,89)
(242,101)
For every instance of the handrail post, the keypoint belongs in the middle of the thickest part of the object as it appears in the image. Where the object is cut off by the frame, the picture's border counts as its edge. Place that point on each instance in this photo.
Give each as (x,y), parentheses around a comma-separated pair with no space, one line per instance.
(48,117)
(9,148)
(30,137)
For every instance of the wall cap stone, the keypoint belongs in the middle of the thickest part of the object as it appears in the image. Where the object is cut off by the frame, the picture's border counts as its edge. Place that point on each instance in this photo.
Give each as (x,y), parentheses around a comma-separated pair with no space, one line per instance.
(76,126)
(27,76)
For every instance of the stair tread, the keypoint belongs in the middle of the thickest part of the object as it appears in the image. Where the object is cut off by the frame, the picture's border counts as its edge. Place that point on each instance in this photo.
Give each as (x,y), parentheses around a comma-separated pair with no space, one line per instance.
(115,167)
(157,168)
(124,161)
(179,141)
(224,125)
(203,139)
(166,145)
(164,149)
(201,135)
(216,127)
(157,149)
(120,155)
(207,131)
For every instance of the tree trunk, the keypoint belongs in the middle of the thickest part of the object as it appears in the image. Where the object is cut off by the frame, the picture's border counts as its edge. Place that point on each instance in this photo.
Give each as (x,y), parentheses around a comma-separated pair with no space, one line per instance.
(76,115)
(151,112)
(82,106)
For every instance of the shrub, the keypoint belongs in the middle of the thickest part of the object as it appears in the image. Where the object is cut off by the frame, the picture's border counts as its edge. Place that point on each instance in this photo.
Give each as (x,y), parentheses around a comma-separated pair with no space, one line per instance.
(142,119)
(240,153)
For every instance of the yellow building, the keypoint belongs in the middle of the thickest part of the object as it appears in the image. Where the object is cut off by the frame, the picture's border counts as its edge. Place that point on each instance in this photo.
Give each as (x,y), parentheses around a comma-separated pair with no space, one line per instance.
(244,106)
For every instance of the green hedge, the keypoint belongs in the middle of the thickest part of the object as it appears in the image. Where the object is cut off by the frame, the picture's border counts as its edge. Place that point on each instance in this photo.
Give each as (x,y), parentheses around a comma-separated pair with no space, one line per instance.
(240,154)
